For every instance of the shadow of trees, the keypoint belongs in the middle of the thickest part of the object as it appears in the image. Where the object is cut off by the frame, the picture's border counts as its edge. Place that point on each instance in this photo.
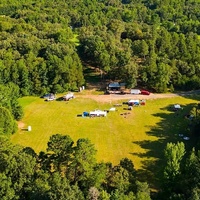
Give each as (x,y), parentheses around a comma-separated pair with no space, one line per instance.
(94,78)
(171,127)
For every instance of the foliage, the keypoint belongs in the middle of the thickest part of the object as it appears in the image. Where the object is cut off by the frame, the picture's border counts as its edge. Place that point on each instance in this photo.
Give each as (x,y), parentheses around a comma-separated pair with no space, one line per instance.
(16,171)
(152,44)
(135,41)
(174,154)
(7,123)
(24,177)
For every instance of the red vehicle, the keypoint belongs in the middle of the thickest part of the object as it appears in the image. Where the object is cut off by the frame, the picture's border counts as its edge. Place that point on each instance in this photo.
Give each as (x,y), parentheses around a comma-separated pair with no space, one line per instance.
(145,92)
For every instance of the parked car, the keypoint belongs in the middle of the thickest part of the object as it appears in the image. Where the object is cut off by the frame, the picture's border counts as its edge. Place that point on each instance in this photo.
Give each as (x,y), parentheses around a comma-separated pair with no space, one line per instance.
(49,97)
(68,96)
(45,96)
(145,92)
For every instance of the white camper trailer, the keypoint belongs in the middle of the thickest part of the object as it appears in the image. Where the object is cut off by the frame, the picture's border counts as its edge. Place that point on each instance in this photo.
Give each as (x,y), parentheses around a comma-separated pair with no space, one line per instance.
(98,113)
(68,96)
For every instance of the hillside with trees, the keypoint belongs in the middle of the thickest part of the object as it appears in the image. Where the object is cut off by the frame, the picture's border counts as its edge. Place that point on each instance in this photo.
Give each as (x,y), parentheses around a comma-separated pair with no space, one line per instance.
(45,47)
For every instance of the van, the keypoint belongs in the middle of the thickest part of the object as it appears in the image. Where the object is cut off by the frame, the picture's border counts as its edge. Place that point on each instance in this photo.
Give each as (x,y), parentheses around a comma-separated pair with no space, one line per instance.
(135,91)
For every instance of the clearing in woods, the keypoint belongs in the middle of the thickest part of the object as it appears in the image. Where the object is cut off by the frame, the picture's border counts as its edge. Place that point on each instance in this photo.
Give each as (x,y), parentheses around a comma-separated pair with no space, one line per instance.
(140,134)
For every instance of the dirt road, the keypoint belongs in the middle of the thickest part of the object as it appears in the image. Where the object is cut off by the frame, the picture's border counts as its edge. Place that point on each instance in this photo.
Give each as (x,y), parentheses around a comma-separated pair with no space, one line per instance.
(116,97)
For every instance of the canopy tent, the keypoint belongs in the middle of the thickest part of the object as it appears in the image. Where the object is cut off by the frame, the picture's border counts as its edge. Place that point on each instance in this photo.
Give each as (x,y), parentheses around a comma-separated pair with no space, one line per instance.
(134,102)
(177,106)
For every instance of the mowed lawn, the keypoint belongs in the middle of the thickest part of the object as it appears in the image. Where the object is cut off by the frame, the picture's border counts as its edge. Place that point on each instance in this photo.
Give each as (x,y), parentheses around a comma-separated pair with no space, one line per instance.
(140,135)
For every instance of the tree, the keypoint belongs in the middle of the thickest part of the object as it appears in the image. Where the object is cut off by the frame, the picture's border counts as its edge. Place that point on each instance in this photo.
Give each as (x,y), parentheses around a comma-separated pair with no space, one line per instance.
(191,176)
(143,191)
(16,170)
(9,94)
(129,166)
(6,190)
(82,166)
(174,154)
(7,123)
(163,76)
(118,179)
(93,194)
(60,149)
(104,195)
(61,189)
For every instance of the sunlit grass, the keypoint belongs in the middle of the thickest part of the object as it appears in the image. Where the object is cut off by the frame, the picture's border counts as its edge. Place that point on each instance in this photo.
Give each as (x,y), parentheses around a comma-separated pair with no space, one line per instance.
(115,136)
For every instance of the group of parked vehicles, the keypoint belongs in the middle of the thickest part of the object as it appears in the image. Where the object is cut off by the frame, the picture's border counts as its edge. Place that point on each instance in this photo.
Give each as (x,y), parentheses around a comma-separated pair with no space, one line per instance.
(119,88)
(52,96)
(127,91)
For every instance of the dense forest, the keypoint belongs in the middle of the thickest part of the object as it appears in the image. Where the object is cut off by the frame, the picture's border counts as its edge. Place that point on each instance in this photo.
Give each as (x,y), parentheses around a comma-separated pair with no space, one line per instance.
(45,46)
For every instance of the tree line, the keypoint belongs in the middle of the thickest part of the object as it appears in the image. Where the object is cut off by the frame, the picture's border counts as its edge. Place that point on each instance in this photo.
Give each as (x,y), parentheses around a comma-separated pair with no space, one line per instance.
(45,46)
(65,171)
(68,170)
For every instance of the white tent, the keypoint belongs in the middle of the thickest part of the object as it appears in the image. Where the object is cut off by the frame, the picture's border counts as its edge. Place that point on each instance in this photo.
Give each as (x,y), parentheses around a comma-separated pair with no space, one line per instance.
(177,106)
(112,109)
(134,101)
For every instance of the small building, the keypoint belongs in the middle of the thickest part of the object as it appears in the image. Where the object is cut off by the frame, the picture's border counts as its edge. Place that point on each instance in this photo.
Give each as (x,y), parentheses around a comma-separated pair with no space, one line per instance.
(115,88)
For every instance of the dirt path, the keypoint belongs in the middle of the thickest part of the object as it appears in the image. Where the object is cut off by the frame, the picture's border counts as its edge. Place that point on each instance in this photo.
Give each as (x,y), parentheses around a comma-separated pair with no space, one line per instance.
(116,97)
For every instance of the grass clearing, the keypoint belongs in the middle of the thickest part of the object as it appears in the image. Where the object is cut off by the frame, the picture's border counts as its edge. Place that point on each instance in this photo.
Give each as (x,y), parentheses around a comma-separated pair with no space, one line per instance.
(140,136)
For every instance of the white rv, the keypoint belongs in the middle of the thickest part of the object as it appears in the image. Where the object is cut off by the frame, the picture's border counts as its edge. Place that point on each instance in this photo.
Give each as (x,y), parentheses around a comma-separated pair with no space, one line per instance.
(98,113)
(68,96)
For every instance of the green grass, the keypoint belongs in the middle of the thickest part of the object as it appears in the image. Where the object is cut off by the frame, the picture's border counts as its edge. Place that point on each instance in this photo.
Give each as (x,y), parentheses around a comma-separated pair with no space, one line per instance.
(140,136)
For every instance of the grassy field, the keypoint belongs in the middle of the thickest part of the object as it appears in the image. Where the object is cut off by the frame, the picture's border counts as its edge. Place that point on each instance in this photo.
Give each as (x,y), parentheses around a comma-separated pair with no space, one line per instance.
(140,135)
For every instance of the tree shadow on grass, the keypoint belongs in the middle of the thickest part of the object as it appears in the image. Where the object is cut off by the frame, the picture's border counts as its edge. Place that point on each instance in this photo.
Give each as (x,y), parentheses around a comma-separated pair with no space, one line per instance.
(171,128)
(195,95)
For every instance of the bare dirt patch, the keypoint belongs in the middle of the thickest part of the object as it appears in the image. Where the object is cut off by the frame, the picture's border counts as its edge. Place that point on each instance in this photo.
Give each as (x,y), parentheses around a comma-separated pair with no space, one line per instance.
(20,124)
(116,97)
